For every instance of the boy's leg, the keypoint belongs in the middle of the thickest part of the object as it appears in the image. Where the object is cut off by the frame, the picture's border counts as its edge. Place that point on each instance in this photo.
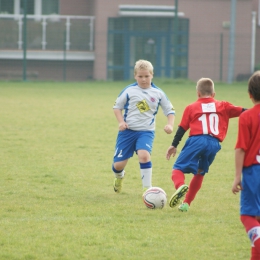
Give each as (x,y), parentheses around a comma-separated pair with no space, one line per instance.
(194,187)
(144,146)
(178,179)
(119,172)
(187,162)
(118,169)
(119,175)
(145,168)
(124,149)
(211,147)
(146,174)
(252,227)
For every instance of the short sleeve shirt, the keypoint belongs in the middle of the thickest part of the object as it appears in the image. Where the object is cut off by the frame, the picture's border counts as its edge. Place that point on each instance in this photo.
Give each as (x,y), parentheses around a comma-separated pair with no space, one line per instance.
(141,106)
(209,116)
(248,137)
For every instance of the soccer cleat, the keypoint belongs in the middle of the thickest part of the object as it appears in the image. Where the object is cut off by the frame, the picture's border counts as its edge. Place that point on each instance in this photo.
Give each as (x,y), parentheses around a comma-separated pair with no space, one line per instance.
(118,183)
(179,193)
(184,207)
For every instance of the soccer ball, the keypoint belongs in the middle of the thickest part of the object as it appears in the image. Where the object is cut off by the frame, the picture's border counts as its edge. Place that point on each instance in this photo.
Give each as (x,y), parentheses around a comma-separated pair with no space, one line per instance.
(155,198)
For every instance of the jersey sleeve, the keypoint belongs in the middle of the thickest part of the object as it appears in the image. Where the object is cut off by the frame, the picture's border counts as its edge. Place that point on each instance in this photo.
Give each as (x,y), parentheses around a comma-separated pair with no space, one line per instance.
(166,105)
(243,137)
(233,111)
(185,119)
(121,101)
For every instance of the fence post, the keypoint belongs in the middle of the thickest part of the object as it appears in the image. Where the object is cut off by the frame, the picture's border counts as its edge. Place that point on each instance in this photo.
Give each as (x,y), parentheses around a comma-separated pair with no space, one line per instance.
(253,42)
(64,57)
(24,39)
(175,39)
(232,34)
(221,58)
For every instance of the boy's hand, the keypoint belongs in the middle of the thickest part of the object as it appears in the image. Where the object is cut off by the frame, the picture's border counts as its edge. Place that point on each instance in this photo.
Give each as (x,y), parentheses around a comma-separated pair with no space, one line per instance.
(237,186)
(122,126)
(171,151)
(168,129)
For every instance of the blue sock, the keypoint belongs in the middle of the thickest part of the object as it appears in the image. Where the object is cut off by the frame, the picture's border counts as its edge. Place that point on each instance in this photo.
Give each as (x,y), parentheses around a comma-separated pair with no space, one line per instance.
(146,174)
(118,174)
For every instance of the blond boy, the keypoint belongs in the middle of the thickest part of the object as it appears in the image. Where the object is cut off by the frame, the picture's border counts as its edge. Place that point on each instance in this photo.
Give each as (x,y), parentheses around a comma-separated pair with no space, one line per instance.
(140,102)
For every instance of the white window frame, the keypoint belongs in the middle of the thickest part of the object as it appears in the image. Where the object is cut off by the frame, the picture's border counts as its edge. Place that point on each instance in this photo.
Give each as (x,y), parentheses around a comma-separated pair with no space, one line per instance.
(37,7)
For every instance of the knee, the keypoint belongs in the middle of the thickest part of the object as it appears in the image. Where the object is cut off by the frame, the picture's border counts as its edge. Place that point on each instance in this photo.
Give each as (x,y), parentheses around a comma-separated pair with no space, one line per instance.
(144,156)
(119,166)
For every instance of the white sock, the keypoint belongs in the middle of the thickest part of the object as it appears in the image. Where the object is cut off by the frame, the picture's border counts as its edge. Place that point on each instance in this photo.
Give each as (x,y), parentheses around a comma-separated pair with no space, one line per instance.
(120,175)
(254,234)
(146,177)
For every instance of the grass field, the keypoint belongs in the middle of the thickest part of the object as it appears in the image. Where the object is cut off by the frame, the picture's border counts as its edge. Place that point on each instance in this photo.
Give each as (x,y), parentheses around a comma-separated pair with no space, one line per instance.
(57,201)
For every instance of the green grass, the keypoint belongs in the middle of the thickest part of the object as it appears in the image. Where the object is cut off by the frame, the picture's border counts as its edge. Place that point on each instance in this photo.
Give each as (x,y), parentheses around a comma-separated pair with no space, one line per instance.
(57,201)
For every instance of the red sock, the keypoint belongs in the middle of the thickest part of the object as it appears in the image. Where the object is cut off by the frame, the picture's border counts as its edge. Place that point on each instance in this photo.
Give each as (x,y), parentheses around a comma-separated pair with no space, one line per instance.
(194,187)
(255,255)
(178,178)
(257,246)
(250,222)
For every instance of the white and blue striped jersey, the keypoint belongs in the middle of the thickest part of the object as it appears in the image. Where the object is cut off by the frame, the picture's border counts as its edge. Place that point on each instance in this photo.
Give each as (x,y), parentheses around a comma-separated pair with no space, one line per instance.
(141,106)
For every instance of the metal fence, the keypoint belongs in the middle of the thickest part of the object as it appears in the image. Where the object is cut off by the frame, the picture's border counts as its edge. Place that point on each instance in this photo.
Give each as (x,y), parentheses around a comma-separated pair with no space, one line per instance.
(209,56)
(47,32)
(50,36)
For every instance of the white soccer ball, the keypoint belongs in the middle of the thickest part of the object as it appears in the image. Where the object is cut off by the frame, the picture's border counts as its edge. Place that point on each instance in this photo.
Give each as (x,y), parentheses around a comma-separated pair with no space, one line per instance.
(155,198)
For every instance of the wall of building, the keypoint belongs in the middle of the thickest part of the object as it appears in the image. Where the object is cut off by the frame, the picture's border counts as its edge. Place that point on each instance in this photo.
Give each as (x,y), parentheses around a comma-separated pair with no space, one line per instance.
(206,31)
(103,11)
(77,7)
(47,70)
(208,55)
(206,26)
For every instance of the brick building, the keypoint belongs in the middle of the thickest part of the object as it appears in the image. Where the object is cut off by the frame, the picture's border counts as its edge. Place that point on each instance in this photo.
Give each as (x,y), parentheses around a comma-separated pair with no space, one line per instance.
(101,39)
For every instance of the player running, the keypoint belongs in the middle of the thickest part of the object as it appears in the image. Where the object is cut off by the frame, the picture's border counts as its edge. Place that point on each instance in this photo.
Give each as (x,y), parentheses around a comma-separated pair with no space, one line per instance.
(140,102)
(207,119)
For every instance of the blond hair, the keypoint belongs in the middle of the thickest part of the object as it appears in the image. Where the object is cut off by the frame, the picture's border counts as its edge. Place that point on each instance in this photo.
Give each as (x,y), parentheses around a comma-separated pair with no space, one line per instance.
(205,86)
(143,65)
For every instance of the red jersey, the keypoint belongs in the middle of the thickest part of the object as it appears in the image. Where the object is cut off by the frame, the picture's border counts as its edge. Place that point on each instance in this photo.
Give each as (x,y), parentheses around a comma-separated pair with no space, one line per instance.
(248,137)
(209,116)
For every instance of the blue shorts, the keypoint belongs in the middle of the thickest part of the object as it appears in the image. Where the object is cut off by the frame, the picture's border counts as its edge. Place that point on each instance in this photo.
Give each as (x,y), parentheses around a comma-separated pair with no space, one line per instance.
(130,141)
(250,194)
(198,152)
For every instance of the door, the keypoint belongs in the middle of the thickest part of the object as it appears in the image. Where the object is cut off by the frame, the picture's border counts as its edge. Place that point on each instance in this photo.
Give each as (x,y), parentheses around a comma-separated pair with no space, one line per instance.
(151,47)
(153,39)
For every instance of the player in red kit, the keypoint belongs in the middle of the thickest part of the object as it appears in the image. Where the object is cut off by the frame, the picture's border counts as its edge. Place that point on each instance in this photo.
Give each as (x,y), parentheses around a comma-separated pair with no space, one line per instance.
(247,163)
(207,119)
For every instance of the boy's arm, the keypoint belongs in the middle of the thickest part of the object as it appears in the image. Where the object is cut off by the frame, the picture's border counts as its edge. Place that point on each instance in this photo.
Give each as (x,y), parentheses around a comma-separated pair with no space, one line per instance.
(234,111)
(177,138)
(122,125)
(239,161)
(169,127)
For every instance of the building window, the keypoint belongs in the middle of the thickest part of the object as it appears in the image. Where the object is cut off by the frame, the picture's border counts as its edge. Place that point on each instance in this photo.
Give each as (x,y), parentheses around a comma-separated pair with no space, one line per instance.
(6,6)
(150,38)
(30,7)
(50,7)
(37,7)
